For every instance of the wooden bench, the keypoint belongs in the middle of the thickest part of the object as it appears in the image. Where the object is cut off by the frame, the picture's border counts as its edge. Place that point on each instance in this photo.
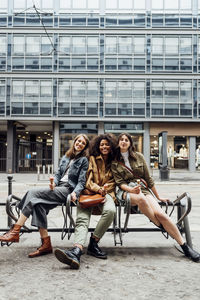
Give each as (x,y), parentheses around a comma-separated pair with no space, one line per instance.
(182,204)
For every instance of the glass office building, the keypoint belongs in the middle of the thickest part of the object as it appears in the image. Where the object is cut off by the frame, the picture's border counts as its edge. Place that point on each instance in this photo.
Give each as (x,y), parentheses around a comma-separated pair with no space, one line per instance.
(94,66)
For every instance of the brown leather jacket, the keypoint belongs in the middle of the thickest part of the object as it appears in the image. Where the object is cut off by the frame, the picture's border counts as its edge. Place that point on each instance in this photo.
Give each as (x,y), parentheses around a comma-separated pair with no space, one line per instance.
(98,175)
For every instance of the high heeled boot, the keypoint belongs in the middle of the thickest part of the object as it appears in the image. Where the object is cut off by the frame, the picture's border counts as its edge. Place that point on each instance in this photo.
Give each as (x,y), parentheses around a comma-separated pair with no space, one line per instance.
(12,235)
(190,253)
(45,248)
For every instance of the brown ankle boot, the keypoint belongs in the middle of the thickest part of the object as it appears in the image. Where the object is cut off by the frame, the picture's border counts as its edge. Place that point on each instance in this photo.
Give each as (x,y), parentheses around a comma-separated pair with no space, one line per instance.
(12,235)
(45,248)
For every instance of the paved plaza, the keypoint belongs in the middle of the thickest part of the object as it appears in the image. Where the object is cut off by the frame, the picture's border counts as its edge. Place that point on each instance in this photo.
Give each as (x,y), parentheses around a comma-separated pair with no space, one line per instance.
(147,266)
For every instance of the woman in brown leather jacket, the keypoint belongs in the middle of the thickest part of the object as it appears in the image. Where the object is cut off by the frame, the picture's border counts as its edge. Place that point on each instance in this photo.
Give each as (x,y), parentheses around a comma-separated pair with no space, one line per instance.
(99,180)
(127,168)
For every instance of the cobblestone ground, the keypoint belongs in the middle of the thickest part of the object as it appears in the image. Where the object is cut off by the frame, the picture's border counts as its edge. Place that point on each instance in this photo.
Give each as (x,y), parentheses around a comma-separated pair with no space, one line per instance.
(147,266)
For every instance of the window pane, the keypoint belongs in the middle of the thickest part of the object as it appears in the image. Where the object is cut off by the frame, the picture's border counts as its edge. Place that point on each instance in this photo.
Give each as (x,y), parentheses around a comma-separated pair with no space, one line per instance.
(186,45)
(171,64)
(186,92)
(33,45)
(17,88)
(186,64)
(64,64)
(139,109)
(63,90)
(93,90)
(111,45)
(65,4)
(139,64)
(139,4)
(46,90)
(139,90)
(110,90)
(157,4)
(78,63)
(157,109)
(185,4)
(171,45)
(171,4)
(79,4)
(111,64)
(125,109)
(32,63)
(186,110)
(63,109)
(47,4)
(171,91)
(64,45)
(125,45)
(46,45)
(31,89)
(93,4)
(124,64)
(19,4)
(157,64)
(111,4)
(92,63)
(92,45)
(18,45)
(125,4)
(157,45)
(124,89)
(18,63)
(3,45)
(157,91)
(78,45)
(78,89)
(3,5)
(78,109)
(92,109)
(110,109)
(30,108)
(139,45)
(171,109)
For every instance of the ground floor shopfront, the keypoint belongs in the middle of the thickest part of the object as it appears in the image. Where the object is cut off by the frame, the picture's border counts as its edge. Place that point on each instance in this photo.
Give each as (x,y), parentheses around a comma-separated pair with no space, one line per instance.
(26,146)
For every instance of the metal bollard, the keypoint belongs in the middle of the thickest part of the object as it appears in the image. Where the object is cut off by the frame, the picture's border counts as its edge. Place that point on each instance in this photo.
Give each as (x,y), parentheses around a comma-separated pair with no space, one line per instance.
(43,172)
(38,172)
(10,177)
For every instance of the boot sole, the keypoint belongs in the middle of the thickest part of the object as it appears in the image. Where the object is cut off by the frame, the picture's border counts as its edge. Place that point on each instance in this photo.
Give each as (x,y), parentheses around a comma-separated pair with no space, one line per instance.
(39,254)
(92,254)
(65,259)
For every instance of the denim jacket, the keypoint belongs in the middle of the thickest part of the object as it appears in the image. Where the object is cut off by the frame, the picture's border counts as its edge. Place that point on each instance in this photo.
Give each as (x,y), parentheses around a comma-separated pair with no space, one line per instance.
(76,175)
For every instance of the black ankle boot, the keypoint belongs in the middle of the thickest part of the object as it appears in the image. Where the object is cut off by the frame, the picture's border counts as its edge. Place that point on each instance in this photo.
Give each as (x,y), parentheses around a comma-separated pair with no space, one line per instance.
(69,257)
(189,252)
(94,250)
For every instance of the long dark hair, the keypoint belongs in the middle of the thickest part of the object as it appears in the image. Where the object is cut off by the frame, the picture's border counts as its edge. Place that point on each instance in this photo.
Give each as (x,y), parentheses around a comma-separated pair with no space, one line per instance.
(95,143)
(71,152)
(131,149)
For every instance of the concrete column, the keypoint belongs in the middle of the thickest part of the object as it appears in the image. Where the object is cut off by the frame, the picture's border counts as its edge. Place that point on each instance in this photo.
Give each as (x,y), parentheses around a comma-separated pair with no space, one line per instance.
(146,143)
(192,153)
(11,142)
(101,128)
(56,146)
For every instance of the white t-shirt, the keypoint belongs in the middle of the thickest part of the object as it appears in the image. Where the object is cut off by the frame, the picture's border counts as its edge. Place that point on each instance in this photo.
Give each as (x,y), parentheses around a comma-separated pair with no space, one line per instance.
(65,177)
(125,156)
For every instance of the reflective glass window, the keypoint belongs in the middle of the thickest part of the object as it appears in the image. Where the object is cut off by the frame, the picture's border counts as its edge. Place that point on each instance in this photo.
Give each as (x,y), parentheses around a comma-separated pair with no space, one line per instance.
(125,4)
(63,90)
(64,20)
(78,108)
(2,63)
(18,45)
(125,64)
(185,4)
(47,4)
(78,63)
(111,45)
(139,4)
(157,109)
(186,91)
(92,91)
(92,45)
(125,109)
(110,90)
(171,91)
(32,63)
(17,89)
(139,90)
(111,4)
(32,90)
(157,20)
(171,64)
(18,63)
(19,4)
(186,20)
(110,109)
(33,45)
(30,108)
(3,45)
(125,45)
(157,91)
(78,89)
(2,89)
(3,5)
(171,45)
(45,108)
(186,110)
(46,63)
(46,46)
(3,20)
(110,21)
(139,45)
(64,4)
(186,45)
(92,63)
(139,109)
(93,4)
(17,108)
(125,21)
(111,64)
(157,64)
(45,90)
(19,20)
(155,4)
(63,109)
(157,45)
(64,63)
(139,64)
(78,45)
(171,20)
(171,109)
(93,21)
(2,108)
(91,108)
(78,21)
(139,20)
(64,45)
(171,4)
(124,89)
(186,64)
(79,4)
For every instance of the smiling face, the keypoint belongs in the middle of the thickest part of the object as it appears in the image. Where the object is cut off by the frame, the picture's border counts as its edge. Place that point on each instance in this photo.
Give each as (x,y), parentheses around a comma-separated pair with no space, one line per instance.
(124,143)
(104,147)
(80,143)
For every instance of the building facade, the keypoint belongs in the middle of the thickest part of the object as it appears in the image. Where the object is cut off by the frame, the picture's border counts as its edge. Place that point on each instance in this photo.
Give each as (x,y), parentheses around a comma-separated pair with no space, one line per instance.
(94,66)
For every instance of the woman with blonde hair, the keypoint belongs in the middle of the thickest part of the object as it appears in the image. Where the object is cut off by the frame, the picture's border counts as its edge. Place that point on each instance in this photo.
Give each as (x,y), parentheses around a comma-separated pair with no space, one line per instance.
(70,179)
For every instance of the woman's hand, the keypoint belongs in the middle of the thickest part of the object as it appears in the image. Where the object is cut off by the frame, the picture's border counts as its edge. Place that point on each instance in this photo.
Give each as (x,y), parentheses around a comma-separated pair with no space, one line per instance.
(135,190)
(52,185)
(164,200)
(102,191)
(73,196)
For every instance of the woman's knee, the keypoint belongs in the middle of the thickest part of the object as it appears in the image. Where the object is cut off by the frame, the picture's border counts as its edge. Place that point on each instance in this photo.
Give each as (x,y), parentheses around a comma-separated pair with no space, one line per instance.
(161,216)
